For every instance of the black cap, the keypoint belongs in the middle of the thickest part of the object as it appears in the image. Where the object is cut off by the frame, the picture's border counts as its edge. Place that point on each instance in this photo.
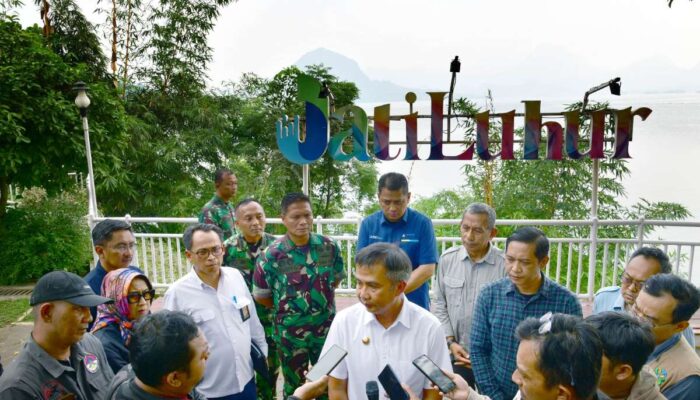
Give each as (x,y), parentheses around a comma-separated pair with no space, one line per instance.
(66,286)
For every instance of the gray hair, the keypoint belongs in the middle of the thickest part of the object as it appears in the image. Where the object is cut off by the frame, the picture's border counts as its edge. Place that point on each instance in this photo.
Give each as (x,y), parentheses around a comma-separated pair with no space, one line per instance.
(395,261)
(482,208)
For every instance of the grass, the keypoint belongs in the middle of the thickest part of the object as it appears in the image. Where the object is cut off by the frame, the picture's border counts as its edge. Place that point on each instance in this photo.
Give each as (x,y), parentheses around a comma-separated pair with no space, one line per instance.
(11,310)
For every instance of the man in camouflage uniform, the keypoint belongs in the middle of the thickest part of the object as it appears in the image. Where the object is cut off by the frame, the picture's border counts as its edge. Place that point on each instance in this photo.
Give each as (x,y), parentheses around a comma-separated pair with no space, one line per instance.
(297,276)
(218,211)
(242,250)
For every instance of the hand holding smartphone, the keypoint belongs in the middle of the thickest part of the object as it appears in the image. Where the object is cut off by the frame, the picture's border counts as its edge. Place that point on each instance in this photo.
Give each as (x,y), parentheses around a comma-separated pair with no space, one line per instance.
(392,386)
(434,373)
(326,363)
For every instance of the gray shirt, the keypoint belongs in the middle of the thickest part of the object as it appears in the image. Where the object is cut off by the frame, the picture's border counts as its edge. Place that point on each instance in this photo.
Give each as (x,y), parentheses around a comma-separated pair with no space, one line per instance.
(458,283)
(37,375)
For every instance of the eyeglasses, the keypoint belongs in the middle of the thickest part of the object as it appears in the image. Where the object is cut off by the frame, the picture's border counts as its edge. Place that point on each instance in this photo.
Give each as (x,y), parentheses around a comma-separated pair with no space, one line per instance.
(629,281)
(123,247)
(647,318)
(203,254)
(135,297)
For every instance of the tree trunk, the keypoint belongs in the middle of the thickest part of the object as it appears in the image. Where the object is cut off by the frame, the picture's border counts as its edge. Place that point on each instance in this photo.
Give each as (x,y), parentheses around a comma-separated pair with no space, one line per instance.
(114,42)
(126,49)
(4,195)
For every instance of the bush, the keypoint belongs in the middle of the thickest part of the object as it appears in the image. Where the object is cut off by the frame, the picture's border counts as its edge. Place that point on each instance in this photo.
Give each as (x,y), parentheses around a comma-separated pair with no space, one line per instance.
(45,234)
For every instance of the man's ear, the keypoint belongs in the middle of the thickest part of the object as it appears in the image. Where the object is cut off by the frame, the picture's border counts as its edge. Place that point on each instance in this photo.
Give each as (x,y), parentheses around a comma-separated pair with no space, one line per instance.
(46,311)
(681,326)
(188,254)
(565,392)
(173,379)
(543,262)
(401,286)
(408,199)
(622,372)
(99,249)
(493,233)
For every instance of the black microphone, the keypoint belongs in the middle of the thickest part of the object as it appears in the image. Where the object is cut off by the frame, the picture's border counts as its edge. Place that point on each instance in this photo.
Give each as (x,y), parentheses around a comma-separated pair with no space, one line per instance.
(372,390)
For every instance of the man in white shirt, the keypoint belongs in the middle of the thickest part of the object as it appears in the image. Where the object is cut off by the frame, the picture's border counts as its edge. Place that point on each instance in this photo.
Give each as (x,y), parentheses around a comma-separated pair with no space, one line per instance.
(384,328)
(219,301)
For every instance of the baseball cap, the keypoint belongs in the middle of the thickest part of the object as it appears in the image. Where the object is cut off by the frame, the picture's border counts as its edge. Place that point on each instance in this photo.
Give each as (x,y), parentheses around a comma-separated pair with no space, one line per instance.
(66,286)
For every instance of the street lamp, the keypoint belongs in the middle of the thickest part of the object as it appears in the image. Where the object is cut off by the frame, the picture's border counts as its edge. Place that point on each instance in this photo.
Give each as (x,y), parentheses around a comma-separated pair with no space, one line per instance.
(614,85)
(82,101)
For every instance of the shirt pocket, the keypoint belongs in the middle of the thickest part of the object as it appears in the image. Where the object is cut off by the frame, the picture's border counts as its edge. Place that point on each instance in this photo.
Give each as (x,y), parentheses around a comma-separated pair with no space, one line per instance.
(202,316)
(453,290)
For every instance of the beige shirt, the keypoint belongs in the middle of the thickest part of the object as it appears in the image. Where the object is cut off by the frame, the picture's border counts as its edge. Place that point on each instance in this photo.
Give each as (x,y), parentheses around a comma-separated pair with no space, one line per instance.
(459,280)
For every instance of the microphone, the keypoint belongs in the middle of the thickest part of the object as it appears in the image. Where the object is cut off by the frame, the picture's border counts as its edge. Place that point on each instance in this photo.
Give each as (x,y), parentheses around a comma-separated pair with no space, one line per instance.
(372,390)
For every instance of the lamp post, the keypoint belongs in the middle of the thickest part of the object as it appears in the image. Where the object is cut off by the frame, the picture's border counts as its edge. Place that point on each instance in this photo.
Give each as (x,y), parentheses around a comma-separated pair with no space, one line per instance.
(615,86)
(82,101)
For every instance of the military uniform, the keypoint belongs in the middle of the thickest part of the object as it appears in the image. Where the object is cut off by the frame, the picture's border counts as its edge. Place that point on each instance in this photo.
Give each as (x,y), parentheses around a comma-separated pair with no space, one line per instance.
(221,214)
(301,281)
(35,374)
(242,256)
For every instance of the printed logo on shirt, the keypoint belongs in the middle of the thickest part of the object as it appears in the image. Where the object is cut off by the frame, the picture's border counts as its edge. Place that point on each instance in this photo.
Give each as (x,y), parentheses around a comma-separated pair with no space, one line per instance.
(409,238)
(92,364)
(661,375)
(53,390)
(375,237)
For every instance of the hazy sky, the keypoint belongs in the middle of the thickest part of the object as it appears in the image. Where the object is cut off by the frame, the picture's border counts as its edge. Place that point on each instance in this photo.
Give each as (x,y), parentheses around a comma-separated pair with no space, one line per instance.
(411,42)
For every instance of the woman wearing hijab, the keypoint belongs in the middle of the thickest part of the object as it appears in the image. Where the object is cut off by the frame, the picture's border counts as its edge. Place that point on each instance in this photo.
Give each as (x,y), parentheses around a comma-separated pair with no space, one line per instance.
(132,293)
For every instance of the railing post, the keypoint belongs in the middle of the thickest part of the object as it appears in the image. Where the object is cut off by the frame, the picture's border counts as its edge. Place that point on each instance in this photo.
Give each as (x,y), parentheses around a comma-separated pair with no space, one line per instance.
(592,258)
(640,233)
(319,225)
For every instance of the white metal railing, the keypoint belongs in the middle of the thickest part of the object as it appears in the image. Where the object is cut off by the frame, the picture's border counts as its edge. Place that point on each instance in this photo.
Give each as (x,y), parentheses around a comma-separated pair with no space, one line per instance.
(161,255)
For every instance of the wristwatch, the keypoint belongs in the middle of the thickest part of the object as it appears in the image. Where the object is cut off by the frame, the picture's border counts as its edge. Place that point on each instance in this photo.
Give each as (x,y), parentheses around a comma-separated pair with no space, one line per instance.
(450,341)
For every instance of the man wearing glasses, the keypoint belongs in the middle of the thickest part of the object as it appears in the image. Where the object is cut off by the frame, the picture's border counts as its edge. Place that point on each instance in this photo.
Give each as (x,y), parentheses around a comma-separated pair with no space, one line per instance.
(218,300)
(644,263)
(115,246)
(668,302)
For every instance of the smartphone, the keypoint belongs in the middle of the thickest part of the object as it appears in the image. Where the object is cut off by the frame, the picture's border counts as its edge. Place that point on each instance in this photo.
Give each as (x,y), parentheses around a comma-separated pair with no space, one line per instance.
(434,373)
(327,363)
(391,384)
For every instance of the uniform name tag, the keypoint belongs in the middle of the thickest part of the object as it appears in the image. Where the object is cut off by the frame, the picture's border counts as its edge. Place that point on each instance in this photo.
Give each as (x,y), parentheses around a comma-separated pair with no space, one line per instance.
(326,254)
(287,265)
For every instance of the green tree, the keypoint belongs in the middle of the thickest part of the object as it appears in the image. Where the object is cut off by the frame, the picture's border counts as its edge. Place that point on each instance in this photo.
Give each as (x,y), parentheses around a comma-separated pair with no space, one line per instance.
(41,138)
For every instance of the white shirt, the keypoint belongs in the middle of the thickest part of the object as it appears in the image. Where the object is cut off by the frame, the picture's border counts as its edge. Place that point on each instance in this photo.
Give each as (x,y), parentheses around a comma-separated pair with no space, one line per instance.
(217,313)
(414,333)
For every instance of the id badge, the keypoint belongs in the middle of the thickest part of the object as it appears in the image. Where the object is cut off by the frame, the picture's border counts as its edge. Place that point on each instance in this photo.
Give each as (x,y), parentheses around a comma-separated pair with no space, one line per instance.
(245,313)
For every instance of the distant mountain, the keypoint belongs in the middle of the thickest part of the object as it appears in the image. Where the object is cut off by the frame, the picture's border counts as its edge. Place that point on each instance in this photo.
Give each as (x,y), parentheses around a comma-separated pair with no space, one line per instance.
(348,70)
(548,72)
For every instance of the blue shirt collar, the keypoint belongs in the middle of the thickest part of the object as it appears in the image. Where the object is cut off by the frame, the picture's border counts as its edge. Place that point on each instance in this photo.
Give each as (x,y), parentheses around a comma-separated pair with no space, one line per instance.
(663,347)
(404,217)
(544,290)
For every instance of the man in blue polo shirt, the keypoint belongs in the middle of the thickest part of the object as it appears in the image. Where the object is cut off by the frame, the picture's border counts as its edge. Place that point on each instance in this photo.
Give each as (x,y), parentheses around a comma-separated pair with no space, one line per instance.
(115,246)
(407,228)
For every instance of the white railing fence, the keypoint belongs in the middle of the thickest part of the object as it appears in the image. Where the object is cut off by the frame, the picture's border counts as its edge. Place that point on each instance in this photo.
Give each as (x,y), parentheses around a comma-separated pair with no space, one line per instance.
(161,255)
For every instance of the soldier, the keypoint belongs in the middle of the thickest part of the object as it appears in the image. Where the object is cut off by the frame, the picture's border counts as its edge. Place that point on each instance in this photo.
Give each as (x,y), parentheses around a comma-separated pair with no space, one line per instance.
(218,211)
(297,276)
(242,250)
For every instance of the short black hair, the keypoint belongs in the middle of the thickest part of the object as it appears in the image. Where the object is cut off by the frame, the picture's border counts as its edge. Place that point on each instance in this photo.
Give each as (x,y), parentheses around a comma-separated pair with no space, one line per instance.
(626,340)
(393,181)
(220,173)
(189,233)
(685,293)
(102,232)
(244,202)
(291,198)
(530,234)
(393,258)
(570,353)
(656,254)
(160,344)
